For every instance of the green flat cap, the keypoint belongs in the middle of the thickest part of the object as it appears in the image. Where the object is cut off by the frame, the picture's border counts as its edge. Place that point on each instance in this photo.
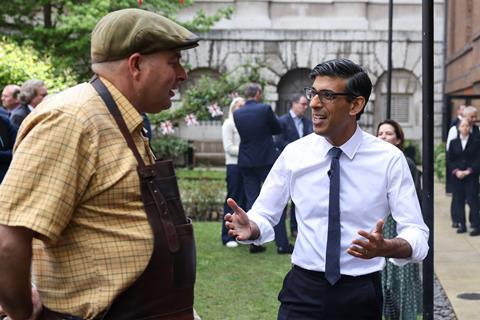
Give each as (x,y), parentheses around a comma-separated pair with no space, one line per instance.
(124,32)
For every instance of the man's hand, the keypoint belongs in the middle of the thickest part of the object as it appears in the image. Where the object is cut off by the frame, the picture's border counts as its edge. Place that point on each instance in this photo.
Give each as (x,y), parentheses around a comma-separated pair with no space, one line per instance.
(373,246)
(376,246)
(37,307)
(238,224)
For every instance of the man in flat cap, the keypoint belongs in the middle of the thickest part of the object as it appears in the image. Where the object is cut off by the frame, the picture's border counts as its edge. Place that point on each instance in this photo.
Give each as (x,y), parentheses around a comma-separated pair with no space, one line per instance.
(86,213)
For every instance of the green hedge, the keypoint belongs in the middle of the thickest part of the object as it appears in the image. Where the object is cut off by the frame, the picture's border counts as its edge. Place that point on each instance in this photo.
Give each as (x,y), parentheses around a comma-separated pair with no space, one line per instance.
(203,193)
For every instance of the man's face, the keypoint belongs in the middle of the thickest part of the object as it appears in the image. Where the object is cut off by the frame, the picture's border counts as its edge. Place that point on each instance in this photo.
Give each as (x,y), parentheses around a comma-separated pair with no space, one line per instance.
(41,93)
(471,117)
(163,73)
(8,101)
(332,119)
(300,107)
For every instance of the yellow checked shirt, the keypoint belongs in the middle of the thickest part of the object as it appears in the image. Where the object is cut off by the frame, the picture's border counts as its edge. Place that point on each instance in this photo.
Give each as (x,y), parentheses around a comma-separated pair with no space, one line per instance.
(73,180)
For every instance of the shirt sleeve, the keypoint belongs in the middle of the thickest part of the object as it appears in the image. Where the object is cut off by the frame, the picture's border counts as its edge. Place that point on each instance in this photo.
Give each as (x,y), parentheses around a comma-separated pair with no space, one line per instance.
(405,209)
(268,208)
(49,173)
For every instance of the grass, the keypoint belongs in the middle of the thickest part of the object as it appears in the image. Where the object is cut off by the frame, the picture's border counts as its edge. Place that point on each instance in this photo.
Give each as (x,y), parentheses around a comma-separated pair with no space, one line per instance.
(233,283)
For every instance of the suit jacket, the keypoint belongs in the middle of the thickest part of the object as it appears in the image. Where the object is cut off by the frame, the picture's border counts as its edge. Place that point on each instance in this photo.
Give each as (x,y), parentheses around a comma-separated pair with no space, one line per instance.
(19,114)
(289,130)
(464,159)
(256,124)
(8,134)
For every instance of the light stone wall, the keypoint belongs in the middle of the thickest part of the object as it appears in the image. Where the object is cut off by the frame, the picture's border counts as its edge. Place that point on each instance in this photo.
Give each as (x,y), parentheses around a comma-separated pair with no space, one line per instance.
(284,35)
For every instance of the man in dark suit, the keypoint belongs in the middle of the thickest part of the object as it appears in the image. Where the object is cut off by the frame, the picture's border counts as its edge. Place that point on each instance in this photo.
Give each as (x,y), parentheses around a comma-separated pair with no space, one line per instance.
(8,133)
(294,126)
(256,124)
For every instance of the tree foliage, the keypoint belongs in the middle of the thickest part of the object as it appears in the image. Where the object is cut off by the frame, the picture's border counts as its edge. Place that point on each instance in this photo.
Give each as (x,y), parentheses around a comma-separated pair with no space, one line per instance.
(61,28)
(20,63)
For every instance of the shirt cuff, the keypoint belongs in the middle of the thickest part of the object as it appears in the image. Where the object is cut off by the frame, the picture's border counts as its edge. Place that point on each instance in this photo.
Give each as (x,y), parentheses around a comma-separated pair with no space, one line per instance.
(418,243)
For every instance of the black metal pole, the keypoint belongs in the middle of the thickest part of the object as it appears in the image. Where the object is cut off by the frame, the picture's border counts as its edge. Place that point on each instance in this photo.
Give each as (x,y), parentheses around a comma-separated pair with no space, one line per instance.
(427,110)
(389,57)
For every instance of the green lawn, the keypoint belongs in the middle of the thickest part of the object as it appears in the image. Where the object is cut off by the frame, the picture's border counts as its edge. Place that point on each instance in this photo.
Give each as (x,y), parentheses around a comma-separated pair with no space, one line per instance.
(233,283)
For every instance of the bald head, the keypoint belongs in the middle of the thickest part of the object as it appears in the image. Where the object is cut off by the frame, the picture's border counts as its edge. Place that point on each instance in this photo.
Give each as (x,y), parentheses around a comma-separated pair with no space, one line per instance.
(10,96)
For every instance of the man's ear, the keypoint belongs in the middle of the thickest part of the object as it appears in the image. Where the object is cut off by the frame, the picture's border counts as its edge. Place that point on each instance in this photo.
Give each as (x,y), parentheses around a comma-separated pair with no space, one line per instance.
(357,105)
(133,64)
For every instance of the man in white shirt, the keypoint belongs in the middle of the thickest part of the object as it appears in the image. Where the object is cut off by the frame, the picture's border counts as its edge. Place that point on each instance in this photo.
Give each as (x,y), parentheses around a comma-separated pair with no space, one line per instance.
(341,200)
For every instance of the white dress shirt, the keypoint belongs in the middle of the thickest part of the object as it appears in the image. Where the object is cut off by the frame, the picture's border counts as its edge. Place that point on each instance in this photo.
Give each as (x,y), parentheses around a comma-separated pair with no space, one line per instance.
(374,181)
(298,123)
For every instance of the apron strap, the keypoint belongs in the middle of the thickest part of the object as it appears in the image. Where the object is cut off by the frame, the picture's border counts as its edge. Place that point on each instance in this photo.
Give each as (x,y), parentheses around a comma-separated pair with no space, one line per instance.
(112,107)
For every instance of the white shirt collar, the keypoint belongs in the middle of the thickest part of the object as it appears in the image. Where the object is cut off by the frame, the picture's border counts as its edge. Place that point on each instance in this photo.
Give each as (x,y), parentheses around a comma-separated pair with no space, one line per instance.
(349,148)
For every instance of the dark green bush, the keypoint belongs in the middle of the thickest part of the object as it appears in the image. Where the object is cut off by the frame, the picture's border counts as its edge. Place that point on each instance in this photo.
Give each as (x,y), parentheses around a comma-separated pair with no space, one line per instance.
(439,158)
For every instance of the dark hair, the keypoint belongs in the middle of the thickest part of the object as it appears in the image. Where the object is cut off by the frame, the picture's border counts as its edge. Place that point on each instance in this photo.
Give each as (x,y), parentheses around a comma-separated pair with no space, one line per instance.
(398,131)
(15,93)
(358,81)
(296,97)
(251,90)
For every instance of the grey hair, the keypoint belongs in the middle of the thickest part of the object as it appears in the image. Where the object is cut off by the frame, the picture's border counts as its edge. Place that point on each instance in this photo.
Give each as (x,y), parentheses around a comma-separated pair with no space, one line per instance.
(28,91)
(468,110)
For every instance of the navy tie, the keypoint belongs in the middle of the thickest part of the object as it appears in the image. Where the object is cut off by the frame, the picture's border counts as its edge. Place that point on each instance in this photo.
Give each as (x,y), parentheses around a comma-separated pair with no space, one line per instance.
(332,264)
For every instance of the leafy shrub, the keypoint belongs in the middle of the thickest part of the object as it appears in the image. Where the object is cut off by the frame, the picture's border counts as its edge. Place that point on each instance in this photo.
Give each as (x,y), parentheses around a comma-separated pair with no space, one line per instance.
(168,146)
(20,63)
(203,193)
(439,157)
(412,150)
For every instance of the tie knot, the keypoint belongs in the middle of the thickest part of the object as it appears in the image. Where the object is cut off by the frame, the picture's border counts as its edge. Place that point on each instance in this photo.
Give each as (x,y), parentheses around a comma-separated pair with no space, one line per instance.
(335,152)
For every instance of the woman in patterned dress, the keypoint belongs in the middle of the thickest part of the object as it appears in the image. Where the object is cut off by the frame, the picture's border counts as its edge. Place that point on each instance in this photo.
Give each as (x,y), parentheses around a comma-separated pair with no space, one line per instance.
(402,286)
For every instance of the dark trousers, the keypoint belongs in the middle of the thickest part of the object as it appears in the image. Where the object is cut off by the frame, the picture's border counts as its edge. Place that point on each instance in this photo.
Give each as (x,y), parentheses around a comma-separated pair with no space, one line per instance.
(235,191)
(307,295)
(252,180)
(465,190)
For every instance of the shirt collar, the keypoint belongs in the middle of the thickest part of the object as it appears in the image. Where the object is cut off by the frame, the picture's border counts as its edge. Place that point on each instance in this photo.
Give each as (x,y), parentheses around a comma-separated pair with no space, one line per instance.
(132,117)
(349,148)
(293,115)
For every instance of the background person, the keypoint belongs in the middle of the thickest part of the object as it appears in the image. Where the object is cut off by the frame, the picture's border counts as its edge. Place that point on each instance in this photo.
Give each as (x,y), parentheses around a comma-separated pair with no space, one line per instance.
(343,181)
(235,189)
(8,133)
(256,124)
(84,188)
(294,126)
(31,94)
(402,286)
(464,158)
(10,98)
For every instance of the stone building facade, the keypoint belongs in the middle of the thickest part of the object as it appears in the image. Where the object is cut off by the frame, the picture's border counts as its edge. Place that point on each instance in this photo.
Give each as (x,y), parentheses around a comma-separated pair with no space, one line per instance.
(289,37)
(462,63)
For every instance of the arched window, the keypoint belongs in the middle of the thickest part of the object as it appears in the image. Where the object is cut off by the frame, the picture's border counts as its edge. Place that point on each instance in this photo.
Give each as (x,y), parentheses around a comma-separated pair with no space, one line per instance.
(291,83)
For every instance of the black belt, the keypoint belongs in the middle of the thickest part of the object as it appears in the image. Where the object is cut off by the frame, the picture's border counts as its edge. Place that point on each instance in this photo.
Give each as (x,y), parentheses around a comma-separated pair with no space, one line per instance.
(343,277)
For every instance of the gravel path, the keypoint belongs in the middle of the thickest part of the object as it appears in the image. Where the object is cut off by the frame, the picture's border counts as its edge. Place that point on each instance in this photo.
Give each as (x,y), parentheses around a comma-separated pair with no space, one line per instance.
(442,309)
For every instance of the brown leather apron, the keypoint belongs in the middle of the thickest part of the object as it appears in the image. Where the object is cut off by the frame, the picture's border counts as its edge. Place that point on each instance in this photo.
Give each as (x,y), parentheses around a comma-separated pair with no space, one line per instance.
(165,288)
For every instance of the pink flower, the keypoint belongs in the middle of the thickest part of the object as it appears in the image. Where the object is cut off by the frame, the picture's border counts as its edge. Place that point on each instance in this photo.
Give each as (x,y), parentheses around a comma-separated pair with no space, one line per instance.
(215,110)
(191,120)
(167,127)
